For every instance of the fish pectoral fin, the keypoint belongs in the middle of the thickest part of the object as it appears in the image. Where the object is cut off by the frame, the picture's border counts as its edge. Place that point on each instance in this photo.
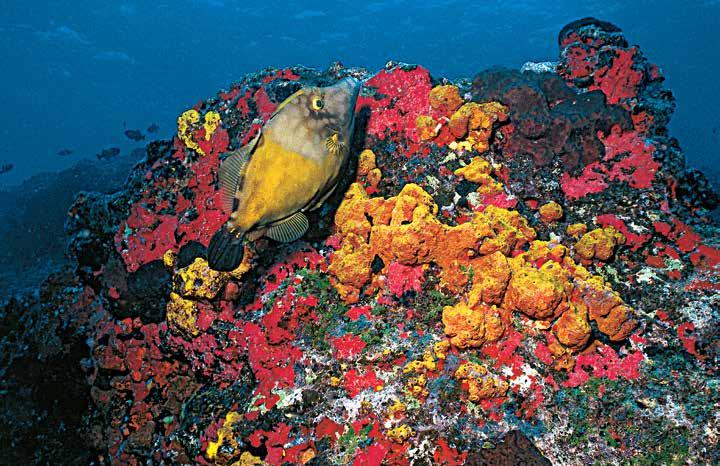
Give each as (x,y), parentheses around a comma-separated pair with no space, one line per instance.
(231,173)
(334,145)
(289,229)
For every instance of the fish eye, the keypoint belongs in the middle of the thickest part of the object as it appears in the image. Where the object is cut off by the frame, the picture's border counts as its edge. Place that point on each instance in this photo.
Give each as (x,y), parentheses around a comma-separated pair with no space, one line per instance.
(317,103)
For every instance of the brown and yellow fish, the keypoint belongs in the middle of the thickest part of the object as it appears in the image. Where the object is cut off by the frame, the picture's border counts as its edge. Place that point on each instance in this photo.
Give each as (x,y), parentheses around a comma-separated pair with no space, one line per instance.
(291,167)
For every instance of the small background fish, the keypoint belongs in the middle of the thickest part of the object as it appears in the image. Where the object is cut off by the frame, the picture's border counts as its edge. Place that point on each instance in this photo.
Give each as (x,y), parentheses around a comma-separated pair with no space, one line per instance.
(108,153)
(134,134)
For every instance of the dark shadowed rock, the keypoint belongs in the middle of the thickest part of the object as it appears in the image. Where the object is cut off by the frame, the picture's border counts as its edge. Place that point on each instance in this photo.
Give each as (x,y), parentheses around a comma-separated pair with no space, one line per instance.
(515,449)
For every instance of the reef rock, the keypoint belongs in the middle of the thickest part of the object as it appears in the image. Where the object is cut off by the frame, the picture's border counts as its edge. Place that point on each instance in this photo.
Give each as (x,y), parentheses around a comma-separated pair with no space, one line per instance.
(520,269)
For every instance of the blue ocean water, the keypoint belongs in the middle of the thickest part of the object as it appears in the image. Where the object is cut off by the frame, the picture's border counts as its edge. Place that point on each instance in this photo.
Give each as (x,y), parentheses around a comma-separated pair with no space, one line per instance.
(78,73)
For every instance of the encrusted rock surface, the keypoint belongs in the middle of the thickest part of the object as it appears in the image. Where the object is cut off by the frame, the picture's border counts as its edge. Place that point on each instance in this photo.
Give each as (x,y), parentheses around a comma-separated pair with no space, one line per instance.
(517,269)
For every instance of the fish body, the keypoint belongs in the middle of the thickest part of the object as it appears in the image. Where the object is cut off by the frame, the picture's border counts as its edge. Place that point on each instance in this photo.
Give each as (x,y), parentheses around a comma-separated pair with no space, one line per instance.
(291,167)
(153,128)
(279,180)
(65,152)
(108,153)
(134,134)
(6,168)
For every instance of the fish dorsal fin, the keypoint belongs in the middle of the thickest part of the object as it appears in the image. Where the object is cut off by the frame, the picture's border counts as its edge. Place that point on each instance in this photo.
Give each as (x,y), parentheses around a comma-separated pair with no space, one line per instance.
(231,172)
(289,229)
(287,101)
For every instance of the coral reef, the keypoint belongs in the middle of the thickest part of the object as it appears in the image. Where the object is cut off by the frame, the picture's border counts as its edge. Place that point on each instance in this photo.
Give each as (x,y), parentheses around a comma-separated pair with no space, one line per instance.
(520,267)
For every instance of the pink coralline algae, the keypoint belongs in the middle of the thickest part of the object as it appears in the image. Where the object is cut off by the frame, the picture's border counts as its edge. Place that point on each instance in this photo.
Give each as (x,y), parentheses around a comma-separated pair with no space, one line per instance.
(402,278)
(395,100)
(627,158)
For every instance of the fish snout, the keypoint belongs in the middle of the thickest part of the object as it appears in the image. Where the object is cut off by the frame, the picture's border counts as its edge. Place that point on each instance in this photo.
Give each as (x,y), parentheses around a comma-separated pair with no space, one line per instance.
(343,96)
(350,85)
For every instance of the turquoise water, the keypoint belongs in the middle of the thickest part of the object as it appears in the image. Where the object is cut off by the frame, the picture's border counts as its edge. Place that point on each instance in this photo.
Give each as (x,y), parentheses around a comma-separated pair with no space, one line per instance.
(80,73)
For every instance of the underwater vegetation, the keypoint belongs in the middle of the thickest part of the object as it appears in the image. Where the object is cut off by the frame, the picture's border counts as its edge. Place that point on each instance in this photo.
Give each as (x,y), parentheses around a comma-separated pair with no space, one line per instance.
(518,268)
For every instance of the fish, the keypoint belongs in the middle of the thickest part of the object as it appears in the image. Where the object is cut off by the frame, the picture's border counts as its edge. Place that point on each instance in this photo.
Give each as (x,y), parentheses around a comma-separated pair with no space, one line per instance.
(153,128)
(6,167)
(134,134)
(108,153)
(291,167)
(65,152)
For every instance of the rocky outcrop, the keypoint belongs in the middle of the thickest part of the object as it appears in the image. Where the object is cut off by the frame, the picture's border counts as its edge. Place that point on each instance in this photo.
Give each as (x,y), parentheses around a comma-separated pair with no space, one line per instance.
(518,268)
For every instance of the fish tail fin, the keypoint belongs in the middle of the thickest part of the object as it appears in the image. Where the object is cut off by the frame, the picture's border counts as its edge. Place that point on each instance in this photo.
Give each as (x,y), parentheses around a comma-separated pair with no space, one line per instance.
(226,249)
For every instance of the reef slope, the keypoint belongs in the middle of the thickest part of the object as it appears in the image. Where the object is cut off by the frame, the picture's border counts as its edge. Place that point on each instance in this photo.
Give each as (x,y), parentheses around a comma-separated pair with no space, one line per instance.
(518,267)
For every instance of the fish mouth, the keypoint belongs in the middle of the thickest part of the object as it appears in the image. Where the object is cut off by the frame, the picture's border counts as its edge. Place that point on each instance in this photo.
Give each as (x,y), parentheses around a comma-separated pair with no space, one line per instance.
(349,89)
(351,86)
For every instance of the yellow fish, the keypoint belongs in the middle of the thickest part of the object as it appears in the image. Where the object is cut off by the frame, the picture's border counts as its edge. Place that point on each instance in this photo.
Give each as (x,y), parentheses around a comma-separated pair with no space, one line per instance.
(291,167)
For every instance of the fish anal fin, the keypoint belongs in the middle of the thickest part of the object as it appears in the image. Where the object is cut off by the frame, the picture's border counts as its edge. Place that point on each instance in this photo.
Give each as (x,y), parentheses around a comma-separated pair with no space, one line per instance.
(289,229)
